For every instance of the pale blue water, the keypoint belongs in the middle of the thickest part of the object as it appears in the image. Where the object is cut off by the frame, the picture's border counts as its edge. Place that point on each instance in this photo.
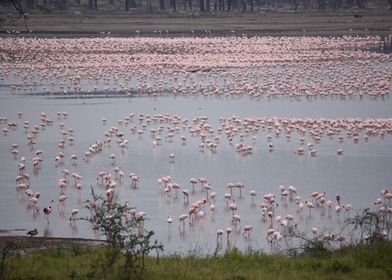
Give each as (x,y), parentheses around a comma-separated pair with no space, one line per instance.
(358,175)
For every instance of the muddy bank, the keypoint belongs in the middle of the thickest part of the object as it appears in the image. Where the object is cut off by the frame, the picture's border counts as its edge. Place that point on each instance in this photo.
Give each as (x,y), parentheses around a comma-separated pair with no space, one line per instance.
(33,244)
(271,23)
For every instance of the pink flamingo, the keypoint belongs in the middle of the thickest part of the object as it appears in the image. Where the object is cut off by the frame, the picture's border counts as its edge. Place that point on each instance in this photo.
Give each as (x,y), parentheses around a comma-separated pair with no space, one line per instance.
(247,230)
(47,211)
(169,221)
(310,205)
(219,234)
(182,219)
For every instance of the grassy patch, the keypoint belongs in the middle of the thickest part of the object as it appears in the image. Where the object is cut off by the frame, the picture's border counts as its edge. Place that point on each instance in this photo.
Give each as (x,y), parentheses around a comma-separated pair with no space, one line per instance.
(79,262)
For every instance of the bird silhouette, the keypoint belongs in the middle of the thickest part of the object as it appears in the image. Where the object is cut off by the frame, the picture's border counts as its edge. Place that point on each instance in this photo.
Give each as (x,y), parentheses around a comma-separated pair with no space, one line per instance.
(33,232)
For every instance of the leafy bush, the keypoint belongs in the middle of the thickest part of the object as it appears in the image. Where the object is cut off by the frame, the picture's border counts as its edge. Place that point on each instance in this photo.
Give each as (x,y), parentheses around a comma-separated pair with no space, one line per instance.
(123,233)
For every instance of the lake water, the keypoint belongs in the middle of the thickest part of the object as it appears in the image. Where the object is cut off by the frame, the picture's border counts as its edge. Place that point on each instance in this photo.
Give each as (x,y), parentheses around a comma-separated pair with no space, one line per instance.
(358,175)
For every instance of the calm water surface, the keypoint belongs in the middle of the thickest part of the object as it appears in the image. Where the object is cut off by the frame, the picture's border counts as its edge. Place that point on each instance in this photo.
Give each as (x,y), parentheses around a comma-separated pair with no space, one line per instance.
(358,175)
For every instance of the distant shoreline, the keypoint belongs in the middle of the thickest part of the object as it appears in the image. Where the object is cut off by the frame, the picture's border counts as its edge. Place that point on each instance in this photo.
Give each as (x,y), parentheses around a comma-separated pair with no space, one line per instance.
(304,23)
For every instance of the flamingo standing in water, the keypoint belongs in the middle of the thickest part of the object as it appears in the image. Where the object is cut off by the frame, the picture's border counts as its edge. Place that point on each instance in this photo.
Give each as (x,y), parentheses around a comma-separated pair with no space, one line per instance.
(219,234)
(47,211)
(186,196)
(213,196)
(35,201)
(236,219)
(233,207)
(169,221)
(134,179)
(212,210)
(73,158)
(182,219)
(338,198)
(348,208)
(329,204)
(73,216)
(227,197)
(377,202)
(228,232)
(310,205)
(252,193)
(113,158)
(247,230)
(172,157)
(240,186)
(62,199)
(230,186)
(315,232)
(193,181)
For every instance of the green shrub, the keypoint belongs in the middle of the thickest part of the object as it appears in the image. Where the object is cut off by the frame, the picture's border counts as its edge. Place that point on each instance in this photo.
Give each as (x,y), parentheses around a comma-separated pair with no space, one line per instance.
(341,265)
(127,242)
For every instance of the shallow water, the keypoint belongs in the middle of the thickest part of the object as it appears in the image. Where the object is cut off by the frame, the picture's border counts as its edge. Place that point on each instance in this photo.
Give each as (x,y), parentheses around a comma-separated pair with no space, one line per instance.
(358,175)
(344,85)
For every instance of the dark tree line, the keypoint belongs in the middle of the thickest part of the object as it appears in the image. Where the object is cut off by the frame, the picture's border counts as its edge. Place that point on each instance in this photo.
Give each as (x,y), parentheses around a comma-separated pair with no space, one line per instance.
(17,7)
(207,6)
(202,6)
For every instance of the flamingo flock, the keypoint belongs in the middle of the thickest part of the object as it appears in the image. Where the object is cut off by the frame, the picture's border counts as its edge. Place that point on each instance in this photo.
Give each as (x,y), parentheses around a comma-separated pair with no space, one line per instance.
(201,198)
(294,68)
(303,67)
